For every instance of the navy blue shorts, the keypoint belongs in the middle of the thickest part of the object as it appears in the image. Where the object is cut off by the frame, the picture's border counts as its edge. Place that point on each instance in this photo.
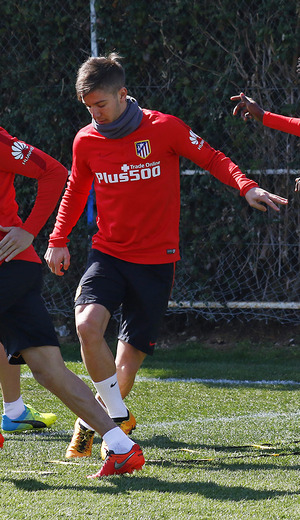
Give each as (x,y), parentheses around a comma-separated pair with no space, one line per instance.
(24,319)
(142,291)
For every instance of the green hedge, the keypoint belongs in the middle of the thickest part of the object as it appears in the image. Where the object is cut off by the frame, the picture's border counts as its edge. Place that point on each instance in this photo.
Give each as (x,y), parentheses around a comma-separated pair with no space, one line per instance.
(185,58)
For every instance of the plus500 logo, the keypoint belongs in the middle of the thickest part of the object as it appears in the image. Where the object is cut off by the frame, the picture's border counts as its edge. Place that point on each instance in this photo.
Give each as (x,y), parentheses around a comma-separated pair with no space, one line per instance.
(131,175)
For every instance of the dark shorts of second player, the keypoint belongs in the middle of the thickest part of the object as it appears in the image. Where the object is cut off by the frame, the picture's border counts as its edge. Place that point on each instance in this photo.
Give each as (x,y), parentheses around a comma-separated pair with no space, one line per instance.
(142,291)
(24,319)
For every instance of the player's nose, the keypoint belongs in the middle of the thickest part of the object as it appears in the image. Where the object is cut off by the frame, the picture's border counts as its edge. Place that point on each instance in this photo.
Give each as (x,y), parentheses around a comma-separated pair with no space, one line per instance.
(95,112)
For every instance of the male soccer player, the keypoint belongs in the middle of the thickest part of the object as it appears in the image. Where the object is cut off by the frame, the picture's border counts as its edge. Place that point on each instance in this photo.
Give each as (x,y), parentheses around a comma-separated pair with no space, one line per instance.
(132,155)
(26,330)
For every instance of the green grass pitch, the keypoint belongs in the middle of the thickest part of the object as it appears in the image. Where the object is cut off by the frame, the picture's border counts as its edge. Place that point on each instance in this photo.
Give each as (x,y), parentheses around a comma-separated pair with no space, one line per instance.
(214,449)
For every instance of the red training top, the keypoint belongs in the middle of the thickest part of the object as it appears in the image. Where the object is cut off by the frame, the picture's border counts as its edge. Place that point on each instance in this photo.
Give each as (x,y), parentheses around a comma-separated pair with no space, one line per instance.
(18,157)
(290,125)
(137,187)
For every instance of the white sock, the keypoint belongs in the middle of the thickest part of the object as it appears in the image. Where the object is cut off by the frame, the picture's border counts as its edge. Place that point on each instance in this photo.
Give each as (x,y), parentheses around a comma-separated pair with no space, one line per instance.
(15,409)
(118,441)
(110,394)
(85,424)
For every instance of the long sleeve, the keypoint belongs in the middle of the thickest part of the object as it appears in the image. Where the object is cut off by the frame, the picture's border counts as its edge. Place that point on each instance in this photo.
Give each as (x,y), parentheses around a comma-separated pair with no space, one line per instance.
(50,186)
(290,125)
(70,210)
(190,145)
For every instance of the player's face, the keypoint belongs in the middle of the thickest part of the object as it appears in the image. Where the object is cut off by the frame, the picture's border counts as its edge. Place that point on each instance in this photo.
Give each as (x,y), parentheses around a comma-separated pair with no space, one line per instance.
(104,106)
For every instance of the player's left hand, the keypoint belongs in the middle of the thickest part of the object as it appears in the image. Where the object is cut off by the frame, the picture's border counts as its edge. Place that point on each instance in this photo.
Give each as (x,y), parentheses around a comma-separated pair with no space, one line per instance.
(256,196)
(15,241)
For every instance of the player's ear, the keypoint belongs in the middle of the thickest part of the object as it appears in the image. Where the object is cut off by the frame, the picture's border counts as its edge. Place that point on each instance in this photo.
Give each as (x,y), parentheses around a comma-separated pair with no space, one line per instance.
(122,93)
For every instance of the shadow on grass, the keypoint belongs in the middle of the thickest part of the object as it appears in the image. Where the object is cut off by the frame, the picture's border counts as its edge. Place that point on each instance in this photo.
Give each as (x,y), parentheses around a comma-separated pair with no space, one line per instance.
(127,484)
(164,442)
(217,465)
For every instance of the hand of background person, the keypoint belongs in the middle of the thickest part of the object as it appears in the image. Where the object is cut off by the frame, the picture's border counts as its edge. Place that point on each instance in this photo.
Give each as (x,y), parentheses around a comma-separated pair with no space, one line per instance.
(15,241)
(256,196)
(247,107)
(58,259)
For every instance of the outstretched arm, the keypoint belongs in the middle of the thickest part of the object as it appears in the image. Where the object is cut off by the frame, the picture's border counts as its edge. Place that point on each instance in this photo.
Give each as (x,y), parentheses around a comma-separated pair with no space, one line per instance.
(249,109)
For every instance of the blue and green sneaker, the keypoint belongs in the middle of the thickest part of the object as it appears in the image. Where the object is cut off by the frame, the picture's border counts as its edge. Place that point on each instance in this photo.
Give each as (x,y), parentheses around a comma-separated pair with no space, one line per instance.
(30,419)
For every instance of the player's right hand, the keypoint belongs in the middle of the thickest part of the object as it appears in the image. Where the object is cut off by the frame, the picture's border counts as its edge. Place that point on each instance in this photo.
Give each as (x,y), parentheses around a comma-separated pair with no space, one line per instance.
(58,259)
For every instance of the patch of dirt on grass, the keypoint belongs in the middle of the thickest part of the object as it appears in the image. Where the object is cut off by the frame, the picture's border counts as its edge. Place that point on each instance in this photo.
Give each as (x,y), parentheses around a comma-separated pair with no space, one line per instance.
(225,336)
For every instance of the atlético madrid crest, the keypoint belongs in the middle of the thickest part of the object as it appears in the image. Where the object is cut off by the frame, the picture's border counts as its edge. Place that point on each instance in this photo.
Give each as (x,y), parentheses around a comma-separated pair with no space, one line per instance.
(142,149)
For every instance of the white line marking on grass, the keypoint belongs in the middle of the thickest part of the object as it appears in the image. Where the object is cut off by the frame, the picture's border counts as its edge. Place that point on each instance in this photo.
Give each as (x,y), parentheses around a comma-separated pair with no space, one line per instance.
(219,381)
(141,379)
(204,420)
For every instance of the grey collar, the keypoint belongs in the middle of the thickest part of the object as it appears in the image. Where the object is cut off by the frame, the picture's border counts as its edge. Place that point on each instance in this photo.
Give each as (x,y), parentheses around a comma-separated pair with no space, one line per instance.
(127,123)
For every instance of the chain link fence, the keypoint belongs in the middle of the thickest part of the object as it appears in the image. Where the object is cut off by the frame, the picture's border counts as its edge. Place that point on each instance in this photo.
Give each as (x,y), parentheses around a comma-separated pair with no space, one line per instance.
(184,58)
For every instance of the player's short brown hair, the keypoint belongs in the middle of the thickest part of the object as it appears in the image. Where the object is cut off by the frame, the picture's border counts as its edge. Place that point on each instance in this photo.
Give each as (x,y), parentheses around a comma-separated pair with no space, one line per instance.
(103,73)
